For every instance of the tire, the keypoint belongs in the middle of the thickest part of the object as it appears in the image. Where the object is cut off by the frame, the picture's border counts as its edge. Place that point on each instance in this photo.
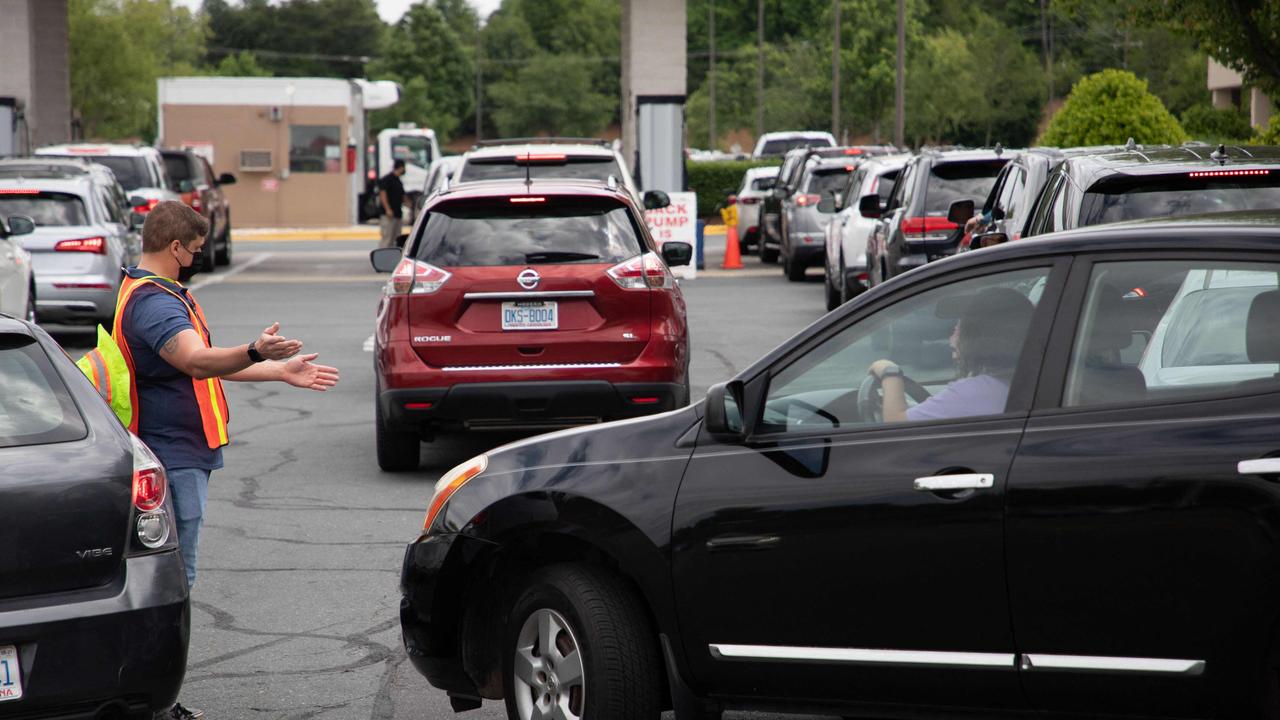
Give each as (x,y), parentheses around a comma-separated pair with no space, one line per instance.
(793,270)
(224,255)
(834,294)
(209,260)
(767,256)
(397,451)
(596,618)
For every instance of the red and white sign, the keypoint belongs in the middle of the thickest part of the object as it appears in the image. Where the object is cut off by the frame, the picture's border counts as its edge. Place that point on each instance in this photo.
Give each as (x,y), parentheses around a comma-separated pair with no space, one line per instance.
(677,221)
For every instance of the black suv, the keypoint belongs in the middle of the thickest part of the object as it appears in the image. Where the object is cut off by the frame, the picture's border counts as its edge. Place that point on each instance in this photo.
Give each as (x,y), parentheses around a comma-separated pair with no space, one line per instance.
(1033,481)
(917,227)
(1133,183)
(788,184)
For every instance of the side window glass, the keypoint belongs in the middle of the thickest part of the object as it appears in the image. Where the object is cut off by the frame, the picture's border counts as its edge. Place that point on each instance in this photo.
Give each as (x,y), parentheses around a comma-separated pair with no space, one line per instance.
(1061,205)
(1009,191)
(111,211)
(1040,223)
(1158,330)
(945,353)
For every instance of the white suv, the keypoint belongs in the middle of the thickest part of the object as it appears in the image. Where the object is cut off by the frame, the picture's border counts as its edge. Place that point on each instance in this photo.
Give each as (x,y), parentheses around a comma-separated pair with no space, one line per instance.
(139,168)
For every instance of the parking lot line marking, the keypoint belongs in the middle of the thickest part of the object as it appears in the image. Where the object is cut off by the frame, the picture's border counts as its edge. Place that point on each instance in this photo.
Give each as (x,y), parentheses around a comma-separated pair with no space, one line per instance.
(222,277)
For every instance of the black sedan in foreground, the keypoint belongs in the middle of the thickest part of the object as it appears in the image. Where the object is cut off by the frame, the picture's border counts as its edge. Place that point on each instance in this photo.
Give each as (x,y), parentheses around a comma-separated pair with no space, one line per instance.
(94,615)
(1039,479)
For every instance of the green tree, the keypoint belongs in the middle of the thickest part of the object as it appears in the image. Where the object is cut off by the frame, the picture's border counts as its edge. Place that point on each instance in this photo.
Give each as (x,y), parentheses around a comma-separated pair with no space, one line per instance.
(1110,107)
(298,37)
(113,82)
(241,64)
(1241,34)
(1210,124)
(552,95)
(424,54)
(1270,135)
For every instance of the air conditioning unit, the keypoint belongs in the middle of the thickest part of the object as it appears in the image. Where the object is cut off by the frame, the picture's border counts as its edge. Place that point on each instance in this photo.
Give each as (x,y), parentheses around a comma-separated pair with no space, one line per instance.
(255,160)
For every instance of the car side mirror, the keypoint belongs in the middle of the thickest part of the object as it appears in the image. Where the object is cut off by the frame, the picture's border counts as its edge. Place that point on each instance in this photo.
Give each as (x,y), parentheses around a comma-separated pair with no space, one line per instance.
(226,179)
(19,225)
(988,240)
(656,200)
(827,204)
(961,212)
(186,186)
(137,220)
(676,252)
(724,411)
(869,206)
(386,259)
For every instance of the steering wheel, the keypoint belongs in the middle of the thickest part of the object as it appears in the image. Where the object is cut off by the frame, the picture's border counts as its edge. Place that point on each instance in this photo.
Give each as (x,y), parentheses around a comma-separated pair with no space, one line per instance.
(871,400)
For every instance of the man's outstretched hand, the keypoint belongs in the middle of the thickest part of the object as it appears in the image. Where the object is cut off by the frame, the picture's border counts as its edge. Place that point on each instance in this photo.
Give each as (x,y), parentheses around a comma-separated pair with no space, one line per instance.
(276,347)
(301,372)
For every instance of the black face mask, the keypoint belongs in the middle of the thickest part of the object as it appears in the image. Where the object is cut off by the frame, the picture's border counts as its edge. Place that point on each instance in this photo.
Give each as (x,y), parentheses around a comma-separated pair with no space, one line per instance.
(187,272)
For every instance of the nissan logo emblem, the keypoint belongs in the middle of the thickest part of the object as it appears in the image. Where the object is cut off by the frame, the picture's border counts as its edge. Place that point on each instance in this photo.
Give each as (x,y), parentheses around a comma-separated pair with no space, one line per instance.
(528,278)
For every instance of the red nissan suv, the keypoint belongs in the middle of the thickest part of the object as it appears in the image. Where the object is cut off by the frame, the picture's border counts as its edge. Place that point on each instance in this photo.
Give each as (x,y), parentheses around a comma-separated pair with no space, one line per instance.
(532,304)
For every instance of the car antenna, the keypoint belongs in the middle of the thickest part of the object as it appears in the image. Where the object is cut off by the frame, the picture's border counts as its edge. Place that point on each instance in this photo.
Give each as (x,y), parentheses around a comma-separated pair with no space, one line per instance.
(1131,145)
(1220,154)
(999,149)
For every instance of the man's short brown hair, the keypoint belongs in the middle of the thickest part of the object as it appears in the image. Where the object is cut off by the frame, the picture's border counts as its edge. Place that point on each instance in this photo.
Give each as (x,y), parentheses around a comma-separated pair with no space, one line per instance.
(169,221)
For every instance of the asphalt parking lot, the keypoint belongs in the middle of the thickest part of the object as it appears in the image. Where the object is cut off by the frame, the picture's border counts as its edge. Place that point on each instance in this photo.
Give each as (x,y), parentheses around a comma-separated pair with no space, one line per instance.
(295,607)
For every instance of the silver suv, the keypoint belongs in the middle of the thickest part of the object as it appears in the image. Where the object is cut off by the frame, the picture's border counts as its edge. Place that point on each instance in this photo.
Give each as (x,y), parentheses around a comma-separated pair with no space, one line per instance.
(84,233)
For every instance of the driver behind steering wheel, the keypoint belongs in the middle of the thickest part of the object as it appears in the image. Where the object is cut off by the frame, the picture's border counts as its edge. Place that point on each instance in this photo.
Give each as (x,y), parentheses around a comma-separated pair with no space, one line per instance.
(985,345)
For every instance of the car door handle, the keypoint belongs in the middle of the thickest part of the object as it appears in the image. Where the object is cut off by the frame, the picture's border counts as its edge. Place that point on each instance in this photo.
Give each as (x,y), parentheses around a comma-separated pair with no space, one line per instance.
(1261,466)
(969,481)
(743,542)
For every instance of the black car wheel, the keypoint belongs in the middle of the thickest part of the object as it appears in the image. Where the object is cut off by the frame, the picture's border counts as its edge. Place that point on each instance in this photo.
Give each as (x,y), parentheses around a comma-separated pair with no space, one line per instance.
(835,295)
(209,258)
(794,270)
(578,645)
(397,451)
(767,256)
(224,255)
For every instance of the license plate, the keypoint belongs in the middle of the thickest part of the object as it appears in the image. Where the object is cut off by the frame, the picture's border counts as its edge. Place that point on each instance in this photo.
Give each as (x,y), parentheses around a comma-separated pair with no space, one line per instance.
(530,315)
(10,675)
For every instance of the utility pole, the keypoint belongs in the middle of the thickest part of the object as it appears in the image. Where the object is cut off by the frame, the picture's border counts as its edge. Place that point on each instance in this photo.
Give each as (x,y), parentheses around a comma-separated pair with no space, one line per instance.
(1046,44)
(835,77)
(479,94)
(759,68)
(712,141)
(900,88)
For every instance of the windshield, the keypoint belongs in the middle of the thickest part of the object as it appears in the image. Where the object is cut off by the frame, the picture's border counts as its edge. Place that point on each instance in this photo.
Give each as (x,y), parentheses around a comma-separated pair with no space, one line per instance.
(556,230)
(596,168)
(782,145)
(35,406)
(830,182)
(414,149)
(130,171)
(178,167)
(949,182)
(1136,198)
(46,209)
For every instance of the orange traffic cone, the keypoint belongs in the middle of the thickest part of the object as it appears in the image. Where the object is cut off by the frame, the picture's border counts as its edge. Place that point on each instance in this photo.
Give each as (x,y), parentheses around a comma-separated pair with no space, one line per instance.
(732,253)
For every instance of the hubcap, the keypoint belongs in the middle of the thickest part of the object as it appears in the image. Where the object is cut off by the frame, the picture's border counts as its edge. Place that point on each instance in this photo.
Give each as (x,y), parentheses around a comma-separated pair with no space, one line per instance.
(549,682)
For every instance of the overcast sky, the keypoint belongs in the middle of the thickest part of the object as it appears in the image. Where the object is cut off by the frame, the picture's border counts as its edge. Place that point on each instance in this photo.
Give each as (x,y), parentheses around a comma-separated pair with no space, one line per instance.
(391,10)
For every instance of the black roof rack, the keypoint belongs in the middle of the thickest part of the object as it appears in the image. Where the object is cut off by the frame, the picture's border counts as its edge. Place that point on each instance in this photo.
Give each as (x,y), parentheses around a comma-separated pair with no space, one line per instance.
(544,141)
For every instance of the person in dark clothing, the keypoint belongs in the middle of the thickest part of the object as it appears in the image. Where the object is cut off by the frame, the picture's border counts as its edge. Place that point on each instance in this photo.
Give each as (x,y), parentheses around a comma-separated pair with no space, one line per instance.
(391,201)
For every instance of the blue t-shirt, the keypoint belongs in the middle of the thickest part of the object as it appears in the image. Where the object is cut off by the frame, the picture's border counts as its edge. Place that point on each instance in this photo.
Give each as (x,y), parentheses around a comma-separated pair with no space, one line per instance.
(168,414)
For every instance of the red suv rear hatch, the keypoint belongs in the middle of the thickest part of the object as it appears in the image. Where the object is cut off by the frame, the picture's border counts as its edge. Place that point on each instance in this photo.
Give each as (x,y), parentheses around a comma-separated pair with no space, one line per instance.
(531,280)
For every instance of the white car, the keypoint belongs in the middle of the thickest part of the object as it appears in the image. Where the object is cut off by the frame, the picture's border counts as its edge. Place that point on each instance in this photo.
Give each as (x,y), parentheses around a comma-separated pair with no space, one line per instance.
(776,144)
(756,183)
(140,169)
(17,280)
(848,232)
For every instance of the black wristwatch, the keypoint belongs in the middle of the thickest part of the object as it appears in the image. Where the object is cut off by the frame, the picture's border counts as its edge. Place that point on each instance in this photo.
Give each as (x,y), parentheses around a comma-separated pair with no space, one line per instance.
(891,371)
(254,355)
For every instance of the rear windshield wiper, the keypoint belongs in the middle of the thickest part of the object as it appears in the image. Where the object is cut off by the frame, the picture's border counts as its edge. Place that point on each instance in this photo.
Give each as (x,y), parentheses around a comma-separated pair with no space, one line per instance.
(550,256)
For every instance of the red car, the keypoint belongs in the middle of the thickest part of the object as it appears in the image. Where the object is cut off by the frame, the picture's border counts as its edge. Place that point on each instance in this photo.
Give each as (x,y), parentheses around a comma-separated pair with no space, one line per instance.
(517,305)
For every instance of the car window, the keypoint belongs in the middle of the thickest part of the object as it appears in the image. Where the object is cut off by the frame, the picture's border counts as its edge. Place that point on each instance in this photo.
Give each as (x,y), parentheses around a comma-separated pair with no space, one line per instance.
(47,209)
(593,168)
(35,406)
(960,343)
(827,182)
(1011,191)
(952,181)
(555,230)
(782,145)
(1157,330)
(179,169)
(763,183)
(110,211)
(1045,205)
(1136,198)
(902,189)
(131,172)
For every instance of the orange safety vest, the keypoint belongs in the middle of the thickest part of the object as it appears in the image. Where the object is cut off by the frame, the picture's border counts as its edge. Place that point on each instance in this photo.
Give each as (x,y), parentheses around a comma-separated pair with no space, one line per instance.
(213,403)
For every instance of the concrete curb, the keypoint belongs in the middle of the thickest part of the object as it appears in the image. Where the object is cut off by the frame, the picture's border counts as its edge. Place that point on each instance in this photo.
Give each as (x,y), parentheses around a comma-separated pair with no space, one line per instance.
(303,234)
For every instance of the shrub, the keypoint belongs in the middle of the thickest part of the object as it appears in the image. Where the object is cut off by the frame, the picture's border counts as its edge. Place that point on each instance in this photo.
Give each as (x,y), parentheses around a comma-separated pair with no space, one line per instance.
(713,179)
(1108,108)
(1270,135)
(1211,124)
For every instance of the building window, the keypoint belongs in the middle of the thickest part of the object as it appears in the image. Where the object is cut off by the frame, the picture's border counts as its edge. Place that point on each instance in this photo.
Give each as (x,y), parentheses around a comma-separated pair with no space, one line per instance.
(315,149)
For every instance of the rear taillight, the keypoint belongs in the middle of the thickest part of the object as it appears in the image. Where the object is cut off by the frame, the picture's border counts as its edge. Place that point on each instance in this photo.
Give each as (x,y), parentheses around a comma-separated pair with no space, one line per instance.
(146,207)
(150,488)
(641,272)
(414,277)
(927,229)
(96,245)
(806,200)
(195,202)
(748,200)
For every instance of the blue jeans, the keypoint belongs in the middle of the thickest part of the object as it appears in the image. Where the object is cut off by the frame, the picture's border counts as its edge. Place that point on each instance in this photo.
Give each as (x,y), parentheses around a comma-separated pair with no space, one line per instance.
(190,490)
